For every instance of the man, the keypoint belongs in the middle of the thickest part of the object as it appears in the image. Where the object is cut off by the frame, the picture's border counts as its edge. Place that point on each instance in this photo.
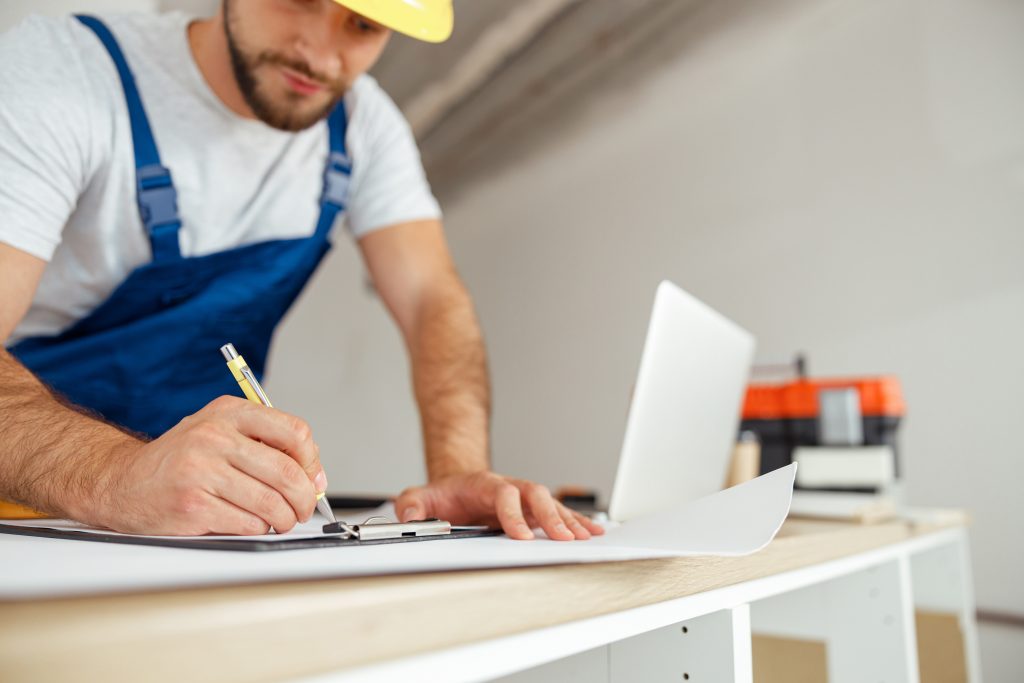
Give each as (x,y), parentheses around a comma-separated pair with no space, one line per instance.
(170,186)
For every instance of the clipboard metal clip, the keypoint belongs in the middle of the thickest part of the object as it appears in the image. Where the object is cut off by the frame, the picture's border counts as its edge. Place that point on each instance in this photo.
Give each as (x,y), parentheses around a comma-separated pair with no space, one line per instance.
(371,530)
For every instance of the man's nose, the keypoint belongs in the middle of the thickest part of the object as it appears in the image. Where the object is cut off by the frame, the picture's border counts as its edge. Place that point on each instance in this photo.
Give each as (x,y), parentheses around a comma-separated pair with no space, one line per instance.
(319,45)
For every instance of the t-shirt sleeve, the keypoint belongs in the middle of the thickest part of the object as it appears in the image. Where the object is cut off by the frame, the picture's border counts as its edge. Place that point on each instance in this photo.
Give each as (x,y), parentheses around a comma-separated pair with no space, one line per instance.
(44,133)
(389,185)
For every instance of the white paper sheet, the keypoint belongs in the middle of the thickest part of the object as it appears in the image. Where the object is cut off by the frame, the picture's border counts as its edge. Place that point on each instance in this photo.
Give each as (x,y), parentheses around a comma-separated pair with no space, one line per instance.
(737,521)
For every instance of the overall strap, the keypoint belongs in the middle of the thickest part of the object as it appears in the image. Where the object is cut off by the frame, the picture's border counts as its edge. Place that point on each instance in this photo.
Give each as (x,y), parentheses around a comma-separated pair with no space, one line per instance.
(337,174)
(155,193)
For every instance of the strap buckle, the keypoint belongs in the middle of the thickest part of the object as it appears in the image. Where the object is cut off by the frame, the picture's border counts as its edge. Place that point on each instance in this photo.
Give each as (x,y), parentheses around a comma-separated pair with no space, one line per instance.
(337,179)
(158,200)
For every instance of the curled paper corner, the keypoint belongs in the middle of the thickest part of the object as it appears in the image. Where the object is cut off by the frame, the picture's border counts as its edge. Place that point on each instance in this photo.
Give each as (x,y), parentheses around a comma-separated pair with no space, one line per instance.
(737,521)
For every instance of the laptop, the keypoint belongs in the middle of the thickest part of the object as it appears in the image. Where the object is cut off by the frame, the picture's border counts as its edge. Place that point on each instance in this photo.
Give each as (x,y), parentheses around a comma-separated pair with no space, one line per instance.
(685,411)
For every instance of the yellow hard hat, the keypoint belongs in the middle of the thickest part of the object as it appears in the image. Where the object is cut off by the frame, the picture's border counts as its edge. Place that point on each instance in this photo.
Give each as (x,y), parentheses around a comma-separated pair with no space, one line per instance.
(429,20)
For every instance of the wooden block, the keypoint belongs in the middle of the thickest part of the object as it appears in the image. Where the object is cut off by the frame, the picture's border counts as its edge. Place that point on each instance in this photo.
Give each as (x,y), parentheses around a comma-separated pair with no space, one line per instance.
(745,463)
(940,647)
(789,660)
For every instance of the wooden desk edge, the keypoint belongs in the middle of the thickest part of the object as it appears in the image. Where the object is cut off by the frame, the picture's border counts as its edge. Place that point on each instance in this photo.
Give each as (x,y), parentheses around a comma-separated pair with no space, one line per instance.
(256,632)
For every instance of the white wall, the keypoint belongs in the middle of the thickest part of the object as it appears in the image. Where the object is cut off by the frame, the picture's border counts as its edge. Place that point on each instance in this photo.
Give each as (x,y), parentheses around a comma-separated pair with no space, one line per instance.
(842,177)
(339,362)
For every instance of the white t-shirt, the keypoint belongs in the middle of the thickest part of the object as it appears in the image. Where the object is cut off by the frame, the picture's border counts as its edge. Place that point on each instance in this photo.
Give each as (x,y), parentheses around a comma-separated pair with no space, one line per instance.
(67,173)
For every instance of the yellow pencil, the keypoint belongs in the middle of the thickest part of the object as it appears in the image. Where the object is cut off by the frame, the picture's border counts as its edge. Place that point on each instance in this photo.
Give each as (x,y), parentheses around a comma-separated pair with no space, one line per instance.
(253,391)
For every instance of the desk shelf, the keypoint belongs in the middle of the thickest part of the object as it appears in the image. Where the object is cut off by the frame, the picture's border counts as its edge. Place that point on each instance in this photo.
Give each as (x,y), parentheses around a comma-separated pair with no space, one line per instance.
(852,619)
(901,615)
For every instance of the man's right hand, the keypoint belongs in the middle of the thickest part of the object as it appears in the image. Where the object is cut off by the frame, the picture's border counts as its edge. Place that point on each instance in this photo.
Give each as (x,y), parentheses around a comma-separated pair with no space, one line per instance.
(234,467)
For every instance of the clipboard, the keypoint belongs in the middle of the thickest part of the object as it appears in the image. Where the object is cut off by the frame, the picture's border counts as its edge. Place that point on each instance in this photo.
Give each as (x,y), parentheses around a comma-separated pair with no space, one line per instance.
(347,536)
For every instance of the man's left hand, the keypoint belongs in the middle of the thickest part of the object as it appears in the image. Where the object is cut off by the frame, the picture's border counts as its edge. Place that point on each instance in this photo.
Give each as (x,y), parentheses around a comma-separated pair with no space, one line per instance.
(488,498)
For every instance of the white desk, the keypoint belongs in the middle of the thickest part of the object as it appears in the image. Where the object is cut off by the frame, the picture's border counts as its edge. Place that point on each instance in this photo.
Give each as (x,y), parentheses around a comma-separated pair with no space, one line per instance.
(853,589)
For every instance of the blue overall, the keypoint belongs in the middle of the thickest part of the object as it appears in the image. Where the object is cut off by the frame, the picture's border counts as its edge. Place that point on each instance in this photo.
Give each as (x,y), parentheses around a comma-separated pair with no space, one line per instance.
(149,355)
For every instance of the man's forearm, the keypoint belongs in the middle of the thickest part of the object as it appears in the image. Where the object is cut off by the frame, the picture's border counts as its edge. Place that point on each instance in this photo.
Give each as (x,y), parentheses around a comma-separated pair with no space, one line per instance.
(451,383)
(50,453)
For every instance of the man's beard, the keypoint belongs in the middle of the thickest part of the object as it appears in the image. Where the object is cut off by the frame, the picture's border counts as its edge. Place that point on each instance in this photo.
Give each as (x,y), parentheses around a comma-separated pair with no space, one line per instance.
(283,114)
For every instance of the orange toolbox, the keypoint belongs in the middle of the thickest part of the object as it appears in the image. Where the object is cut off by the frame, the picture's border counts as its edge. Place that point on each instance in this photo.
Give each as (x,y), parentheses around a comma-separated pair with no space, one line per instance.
(788,414)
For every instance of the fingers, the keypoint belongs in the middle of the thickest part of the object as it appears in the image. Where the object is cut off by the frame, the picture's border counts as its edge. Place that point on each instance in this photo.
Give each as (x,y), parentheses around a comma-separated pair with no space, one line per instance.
(509,509)
(517,504)
(277,429)
(571,521)
(320,478)
(590,525)
(546,511)
(231,519)
(279,472)
(412,504)
(254,497)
